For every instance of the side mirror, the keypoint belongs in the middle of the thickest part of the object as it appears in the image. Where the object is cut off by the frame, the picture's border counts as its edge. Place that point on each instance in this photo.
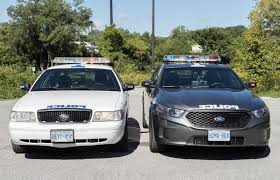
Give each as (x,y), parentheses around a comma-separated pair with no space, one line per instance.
(25,86)
(128,87)
(148,84)
(251,85)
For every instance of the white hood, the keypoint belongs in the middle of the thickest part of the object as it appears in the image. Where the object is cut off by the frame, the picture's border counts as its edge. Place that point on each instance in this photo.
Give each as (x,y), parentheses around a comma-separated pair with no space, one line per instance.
(95,100)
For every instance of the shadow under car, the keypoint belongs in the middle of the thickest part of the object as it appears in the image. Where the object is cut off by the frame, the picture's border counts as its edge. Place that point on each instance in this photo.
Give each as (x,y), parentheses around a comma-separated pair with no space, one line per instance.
(217,153)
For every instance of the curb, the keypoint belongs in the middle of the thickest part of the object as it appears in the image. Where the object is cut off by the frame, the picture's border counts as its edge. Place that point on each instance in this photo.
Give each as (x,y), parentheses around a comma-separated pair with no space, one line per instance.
(8,100)
(272,98)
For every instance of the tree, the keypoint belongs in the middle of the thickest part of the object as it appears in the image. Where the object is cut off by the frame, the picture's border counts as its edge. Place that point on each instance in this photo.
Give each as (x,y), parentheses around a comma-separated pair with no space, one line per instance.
(257,56)
(7,54)
(112,44)
(44,29)
(138,51)
(215,40)
(123,48)
(234,31)
(146,37)
(179,42)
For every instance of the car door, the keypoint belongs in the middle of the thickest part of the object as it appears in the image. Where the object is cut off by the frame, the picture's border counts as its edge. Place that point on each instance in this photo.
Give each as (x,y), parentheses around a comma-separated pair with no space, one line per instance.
(149,94)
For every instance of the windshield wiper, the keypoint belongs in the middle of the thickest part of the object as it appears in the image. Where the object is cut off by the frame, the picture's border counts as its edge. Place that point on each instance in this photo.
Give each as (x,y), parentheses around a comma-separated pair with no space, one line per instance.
(226,87)
(81,88)
(48,89)
(176,87)
(45,89)
(200,86)
(104,89)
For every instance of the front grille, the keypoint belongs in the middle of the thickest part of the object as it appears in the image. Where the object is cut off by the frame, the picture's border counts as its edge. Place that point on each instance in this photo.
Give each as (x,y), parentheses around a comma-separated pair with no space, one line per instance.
(64,116)
(203,140)
(205,119)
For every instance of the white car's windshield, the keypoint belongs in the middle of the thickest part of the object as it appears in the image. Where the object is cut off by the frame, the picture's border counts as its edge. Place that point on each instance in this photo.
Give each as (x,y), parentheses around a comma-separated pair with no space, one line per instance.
(77,79)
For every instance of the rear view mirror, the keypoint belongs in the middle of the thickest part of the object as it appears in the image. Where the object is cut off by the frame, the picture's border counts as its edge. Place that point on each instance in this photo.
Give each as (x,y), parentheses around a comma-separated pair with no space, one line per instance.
(251,85)
(148,84)
(25,86)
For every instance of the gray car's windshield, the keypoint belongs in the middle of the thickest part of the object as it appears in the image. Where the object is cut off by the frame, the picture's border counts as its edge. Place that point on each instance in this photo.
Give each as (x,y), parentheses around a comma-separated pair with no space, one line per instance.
(77,79)
(194,77)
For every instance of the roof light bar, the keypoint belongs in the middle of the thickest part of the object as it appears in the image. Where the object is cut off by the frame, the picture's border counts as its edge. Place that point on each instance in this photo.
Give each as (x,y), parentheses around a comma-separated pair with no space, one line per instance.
(80,60)
(192,58)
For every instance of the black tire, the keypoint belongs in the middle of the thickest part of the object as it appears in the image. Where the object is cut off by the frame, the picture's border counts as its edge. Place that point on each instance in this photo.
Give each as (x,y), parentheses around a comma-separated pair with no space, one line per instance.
(144,123)
(122,145)
(17,148)
(155,146)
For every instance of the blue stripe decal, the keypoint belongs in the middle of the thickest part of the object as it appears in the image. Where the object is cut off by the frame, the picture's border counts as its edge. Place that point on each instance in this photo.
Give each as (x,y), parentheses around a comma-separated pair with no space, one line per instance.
(58,106)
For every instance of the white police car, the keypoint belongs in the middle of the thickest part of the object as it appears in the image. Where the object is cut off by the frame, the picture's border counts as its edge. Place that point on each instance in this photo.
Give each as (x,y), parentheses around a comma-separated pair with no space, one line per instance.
(72,105)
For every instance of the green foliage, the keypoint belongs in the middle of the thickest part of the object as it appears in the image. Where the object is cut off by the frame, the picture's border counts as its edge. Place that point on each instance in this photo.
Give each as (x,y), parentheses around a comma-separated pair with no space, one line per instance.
(234,31)
(112,44)
(43,29)
(121,46)
(179,42)
(7,54)
(136,77)
(138,50)
(257,52)
(10,79)
(215,40)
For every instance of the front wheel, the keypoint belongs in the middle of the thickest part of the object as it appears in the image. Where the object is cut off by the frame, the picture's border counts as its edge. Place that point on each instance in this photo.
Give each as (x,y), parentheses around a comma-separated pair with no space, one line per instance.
(154,145)
(122,145)
(17,148)
(144,123)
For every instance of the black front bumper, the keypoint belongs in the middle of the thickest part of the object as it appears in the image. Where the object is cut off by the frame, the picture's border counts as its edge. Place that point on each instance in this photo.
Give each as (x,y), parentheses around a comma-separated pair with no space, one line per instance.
(171,133)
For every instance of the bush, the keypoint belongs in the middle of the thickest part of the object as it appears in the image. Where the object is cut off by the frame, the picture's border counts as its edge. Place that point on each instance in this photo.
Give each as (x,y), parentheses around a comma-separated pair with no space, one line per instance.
(130,74)
(10,79)
(136,77)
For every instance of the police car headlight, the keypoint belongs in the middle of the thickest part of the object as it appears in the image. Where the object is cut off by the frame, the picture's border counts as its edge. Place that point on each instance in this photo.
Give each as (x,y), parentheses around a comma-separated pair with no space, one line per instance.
(260,112)
(21,116)
(108,115)
(169,111)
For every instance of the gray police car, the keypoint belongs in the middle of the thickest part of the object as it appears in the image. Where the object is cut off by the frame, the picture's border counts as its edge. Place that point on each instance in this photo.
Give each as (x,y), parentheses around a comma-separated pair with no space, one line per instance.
(197,102)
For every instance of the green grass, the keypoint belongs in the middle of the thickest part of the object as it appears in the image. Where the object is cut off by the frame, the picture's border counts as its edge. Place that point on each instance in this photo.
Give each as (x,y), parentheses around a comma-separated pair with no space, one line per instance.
(270,93)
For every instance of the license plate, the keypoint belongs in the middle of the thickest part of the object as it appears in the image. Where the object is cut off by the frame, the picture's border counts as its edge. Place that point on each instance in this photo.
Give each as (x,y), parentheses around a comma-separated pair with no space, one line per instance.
(218,135)
(62,136)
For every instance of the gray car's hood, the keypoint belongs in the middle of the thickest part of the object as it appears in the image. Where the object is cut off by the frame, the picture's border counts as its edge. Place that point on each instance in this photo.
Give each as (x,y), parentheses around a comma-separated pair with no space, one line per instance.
(195,98)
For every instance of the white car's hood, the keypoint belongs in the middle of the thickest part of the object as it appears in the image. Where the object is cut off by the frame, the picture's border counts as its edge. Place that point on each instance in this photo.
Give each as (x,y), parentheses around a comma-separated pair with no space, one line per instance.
(95,100)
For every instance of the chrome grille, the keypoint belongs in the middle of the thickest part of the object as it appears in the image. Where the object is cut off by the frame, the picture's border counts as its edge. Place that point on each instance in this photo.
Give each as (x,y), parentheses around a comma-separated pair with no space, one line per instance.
(206,119)
(64,116)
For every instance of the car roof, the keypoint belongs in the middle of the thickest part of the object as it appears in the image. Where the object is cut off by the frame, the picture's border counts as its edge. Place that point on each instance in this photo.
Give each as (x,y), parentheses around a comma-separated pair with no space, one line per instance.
(179,65)
(72,66)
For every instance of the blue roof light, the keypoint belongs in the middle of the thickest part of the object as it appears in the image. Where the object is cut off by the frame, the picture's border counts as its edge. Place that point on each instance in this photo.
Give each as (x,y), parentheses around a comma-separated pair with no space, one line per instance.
(78,66)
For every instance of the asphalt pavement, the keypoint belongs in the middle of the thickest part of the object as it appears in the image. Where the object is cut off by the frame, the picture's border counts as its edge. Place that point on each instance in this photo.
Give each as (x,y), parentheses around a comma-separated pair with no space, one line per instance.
(139,163)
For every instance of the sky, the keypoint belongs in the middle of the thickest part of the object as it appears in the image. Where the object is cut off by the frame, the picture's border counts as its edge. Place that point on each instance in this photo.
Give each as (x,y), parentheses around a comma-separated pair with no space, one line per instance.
(135,15)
